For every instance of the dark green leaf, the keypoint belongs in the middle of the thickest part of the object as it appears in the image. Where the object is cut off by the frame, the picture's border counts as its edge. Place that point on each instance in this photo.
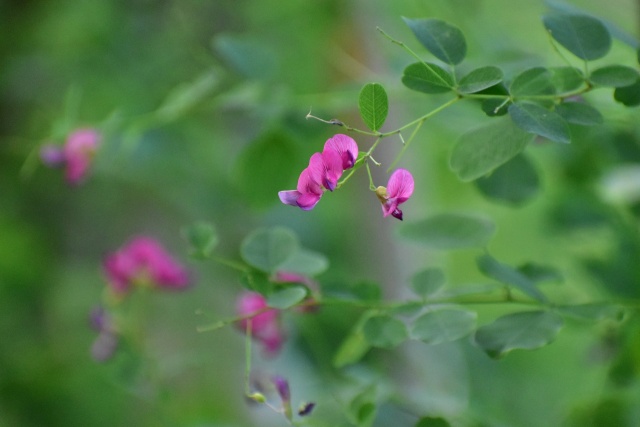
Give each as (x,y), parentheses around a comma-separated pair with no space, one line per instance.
(579,113)
(305,262)
(427,77)
(592,312)
(373,105)
(514,182)
(614,76)
(540,273)
(202,238)
(443,325)
(509,276)
(450,231)
(481,150)
(538,120)
(628,95)
(584,36)
(287,297)
(427,282)
(267,248)
(495,106)
(525,330)
(384,331)
(445,41)
(257,282)
(480,79)
(366,291)
(534,81)
(566,79)
(432,422)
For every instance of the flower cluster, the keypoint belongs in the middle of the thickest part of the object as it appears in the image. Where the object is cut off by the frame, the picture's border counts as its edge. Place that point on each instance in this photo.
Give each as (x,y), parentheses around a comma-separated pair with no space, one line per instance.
(325,169)
(265,325)
(75,155)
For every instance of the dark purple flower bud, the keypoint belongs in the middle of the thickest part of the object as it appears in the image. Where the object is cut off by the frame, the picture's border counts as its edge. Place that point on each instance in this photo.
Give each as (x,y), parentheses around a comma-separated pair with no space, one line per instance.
(282,386)
(306,408)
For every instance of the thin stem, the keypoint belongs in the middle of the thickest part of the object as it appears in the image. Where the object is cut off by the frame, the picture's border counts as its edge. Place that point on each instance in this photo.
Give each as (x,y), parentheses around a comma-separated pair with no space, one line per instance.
(372,187)
(405,146)
(247,360)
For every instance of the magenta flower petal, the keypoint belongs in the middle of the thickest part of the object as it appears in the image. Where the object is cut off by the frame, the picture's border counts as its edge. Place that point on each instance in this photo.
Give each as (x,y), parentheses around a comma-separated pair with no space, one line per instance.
(79,150)
(346,148)
(399,190)
(265,327)
(289,197)
(326,168)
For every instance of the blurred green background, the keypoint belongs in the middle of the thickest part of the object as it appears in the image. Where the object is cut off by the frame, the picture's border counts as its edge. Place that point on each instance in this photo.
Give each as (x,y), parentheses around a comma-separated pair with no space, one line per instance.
(202,105)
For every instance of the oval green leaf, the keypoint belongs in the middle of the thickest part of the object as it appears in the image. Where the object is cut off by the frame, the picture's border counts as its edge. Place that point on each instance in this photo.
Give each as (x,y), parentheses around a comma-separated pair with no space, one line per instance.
(450,231)
(287,297)
(503,273)
(566,79)
(384,331)
(533,81)
(584,36)
(202,239)
(480,79)
(515,182)
(614,76)
(374,105)
(445,41)
(481,150)
(578,113)
(526,331)
(427,282)
(629,95)
(538,120)
(305,262)
(444,325)
(427,78)
(267,248)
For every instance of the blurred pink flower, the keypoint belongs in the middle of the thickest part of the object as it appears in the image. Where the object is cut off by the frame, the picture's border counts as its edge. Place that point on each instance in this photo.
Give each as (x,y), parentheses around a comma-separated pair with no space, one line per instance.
(265,326)
(76,154)
(144,261)
(399,190)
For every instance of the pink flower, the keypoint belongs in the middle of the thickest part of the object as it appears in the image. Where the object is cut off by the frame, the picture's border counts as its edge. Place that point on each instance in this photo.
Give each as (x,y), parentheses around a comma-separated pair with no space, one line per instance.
(326,168)
(265,326)
(307,194)
(399,190)
(346,147)
(144,261)
(76,154)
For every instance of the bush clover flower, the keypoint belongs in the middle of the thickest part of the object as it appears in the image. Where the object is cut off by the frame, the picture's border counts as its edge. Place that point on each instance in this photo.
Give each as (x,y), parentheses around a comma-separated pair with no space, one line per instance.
(346,147)
(76,154)
(399,190)
(265,326)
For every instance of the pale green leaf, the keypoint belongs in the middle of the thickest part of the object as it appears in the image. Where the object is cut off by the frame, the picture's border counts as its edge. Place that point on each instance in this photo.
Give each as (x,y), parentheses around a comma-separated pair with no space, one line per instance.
(267,248)
(443,325)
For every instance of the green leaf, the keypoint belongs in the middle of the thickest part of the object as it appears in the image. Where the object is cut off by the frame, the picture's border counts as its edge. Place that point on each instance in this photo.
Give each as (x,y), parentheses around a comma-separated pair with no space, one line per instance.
(450,231)
(566,79)
(584,36)
(509,276)
(578,113)
(257,282)
(373,105)
(515,182)
(525,330)
(540,273)
(481,150)
(614,76)
(591,312)
(354,346)
(287,297)
(427,78)
(628,95)
(202,237)
(305,262)
(366,291)
(480,79)
(443,325)
(432,422)
(538,120)
(267,248)
(427,282)
(445,41)
(384,331)
(534,81)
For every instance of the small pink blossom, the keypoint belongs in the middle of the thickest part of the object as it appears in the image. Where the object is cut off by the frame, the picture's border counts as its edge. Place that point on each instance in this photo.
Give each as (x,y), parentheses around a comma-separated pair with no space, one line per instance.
(76,154)
(399,190)
(326,168)
(265,326)
(144,261)
(346,147)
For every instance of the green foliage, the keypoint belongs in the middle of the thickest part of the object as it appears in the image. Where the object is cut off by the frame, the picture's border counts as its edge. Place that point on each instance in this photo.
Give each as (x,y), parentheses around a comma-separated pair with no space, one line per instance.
(305,262)
(445,41)
(628,95)
(427,282)
(584,36)
(578,113)
(566,79)
(362,408)
(432,422)
(614,76)
(443,325)
(480,79)
(202,238)
(373,105)
(509,276)
(591,312)
(354,346)
(525,330)
(428,78)
(538,120)
(515,182)
(268,248)
(384,331)
(531,82)
(286,297)
(450,231)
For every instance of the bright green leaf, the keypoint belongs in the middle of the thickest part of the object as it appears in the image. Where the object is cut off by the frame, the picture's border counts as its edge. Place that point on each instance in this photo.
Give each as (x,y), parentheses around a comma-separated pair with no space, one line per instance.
(503,273)
(515,182)
(443,325)
(202,238)
(427,282)
(287,297)
(525,330)
(480,79)
(374,105)
(267,248)
(432,422)
(591,312)
(584,36)
(481,150)
(305,262)
(538,120)
(384,331)
(445,41)
(578,113)
(450,231)
(628,95)
(566,79)
(534,81)
(427,77)
(614,76)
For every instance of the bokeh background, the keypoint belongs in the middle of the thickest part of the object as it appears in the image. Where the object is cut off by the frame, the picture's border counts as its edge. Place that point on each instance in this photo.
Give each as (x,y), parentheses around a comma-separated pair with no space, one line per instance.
(202,107)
